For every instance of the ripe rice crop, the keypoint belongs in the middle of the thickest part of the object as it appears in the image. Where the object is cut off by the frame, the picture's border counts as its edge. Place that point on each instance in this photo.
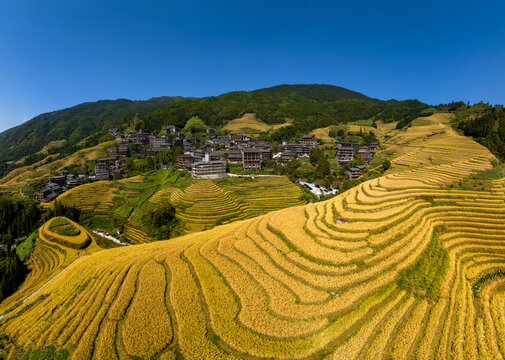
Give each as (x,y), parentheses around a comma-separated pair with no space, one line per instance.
(403,266)
(147,327)
(79,241)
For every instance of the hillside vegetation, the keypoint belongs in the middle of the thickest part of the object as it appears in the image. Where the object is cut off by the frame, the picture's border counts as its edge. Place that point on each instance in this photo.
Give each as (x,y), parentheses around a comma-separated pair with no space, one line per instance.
(487,125)
(307,106)
(310,106)
(72,124)
(408,265)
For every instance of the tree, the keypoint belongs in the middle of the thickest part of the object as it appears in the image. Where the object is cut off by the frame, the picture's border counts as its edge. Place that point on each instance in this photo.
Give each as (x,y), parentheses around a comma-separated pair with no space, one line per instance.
(358,160)
(169,157)
(315,155)
(328,181)
(386,164)
(161,222)
(305,197)
(322,168)
(194,125)
(12,273)
(333,132)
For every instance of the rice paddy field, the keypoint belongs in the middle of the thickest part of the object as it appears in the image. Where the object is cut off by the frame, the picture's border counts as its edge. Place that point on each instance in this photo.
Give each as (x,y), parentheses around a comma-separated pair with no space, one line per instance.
(410,265)
(200,204)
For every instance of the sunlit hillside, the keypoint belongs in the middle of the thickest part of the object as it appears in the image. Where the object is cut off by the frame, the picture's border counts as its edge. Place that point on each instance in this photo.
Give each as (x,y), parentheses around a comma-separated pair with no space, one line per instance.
(409,265)
(381,130)
(250,124)
(39,172)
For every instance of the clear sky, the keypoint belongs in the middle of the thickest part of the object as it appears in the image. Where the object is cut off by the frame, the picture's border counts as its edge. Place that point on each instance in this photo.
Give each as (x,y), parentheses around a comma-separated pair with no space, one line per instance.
(58,53)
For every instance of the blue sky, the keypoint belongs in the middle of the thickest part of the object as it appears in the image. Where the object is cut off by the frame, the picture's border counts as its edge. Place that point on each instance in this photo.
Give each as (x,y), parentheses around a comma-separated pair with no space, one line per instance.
(58,53)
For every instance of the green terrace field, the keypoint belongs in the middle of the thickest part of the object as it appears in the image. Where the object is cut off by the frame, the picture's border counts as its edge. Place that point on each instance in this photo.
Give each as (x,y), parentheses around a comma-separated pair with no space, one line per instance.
(406,266)
(204,204)
(121,205)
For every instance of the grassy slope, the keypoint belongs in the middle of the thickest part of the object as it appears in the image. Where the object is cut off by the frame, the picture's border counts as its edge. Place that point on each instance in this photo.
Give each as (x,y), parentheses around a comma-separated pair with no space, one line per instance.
(249,124)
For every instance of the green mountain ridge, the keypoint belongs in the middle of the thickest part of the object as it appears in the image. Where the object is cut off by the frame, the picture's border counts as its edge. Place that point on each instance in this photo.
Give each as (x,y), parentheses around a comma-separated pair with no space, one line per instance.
(73,124)
(309,106)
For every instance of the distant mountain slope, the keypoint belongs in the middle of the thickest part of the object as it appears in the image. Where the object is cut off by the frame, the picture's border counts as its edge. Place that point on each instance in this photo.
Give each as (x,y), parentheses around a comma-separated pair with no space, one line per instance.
(72,124)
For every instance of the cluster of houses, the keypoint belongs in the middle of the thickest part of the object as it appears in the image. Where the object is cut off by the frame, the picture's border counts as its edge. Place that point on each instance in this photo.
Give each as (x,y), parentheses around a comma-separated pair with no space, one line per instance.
(172,137)
(207,161)
(240,149)
(301,148)
(58,184)
(346,151)
(109,167)
(105,169)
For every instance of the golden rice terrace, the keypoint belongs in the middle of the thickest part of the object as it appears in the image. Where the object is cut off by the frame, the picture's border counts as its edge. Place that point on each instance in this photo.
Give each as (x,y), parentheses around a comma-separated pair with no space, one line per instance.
(409,265)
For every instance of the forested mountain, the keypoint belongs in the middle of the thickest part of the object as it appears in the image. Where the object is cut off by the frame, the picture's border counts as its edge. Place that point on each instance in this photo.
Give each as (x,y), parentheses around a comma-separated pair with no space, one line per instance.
(308,106)
(72,124)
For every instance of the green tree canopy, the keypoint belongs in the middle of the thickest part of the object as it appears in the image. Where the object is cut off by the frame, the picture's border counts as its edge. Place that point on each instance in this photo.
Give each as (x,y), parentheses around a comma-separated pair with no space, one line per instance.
(194,125)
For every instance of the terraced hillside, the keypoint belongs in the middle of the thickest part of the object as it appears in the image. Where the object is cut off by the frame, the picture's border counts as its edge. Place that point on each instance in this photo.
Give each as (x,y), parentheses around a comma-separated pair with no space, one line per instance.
(200,204)
(204,204)
(381,130)
(125,200)
(263,194)
(250,124)
(409,265)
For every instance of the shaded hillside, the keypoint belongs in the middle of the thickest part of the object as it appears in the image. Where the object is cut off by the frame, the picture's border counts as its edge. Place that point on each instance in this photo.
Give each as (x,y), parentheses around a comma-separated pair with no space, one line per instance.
(73,124)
